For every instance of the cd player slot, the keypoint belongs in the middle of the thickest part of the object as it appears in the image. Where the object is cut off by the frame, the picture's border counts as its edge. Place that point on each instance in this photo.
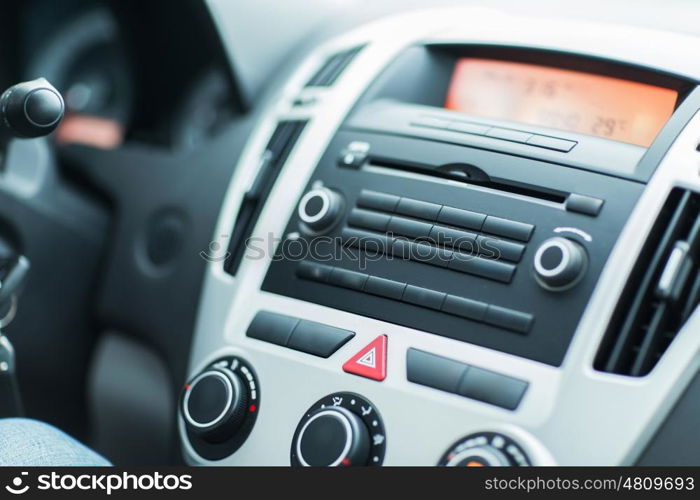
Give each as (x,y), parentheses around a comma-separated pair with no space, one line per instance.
(469,174)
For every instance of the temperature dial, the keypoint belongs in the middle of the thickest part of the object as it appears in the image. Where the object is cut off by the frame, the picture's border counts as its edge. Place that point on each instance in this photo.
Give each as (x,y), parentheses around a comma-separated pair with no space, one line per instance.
(487,449)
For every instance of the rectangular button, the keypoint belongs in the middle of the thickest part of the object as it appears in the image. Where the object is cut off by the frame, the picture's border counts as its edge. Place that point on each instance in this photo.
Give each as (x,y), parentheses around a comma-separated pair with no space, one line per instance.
(430,254)
(367,242)
(544,141)
(419,209)
(469,128)
(313,271)
(430,122)
(495,270)
(493,388)
(508,228)
(583,204)
(368,220)
(377,201)
(434,371)
(421,252)
(347,279)
(272,327)
(384,287)
(423,297)
(318,339)
(409,227)
(493,248)
(461,218)
(466,308)
(509,134)
(509,319)
(454,238)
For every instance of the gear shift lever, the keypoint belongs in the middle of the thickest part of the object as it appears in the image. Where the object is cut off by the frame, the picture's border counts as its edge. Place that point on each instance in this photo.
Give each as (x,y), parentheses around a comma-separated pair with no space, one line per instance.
(30,109)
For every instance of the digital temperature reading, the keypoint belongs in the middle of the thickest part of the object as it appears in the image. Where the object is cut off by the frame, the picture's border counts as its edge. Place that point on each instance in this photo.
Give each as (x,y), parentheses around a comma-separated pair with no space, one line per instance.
(597,105)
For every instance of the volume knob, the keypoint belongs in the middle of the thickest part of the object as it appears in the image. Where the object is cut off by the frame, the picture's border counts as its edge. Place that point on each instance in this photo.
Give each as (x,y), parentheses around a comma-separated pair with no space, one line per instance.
(559,263)
(320,208)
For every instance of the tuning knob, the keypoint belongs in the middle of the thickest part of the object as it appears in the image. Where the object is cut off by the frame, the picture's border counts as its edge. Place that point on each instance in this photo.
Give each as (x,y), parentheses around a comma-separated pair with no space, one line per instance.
(214,404)
(31,109)
(320,208)
(559,263)
(333,437)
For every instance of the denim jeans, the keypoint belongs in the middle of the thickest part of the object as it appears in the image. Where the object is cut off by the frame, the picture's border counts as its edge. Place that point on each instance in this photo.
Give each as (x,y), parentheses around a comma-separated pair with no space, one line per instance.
(28,443)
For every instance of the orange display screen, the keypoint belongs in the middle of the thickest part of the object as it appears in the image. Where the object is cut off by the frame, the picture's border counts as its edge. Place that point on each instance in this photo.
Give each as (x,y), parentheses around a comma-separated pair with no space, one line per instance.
(597,105)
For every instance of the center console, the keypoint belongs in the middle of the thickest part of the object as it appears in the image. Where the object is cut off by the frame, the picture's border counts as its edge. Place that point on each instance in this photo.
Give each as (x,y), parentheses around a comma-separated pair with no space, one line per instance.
(442,246)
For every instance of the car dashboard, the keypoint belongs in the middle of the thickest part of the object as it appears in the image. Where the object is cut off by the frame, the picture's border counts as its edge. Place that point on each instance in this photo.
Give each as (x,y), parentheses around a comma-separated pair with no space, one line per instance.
(459,237)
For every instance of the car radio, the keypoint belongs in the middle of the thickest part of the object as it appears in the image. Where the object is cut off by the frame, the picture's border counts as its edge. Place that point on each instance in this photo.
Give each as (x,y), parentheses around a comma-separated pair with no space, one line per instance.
(480,229)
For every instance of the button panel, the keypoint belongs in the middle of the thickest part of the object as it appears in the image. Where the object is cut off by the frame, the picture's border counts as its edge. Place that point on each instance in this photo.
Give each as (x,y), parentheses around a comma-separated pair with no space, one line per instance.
(469,381)
(464,251)
(473,310)
(506,134)
(299,334)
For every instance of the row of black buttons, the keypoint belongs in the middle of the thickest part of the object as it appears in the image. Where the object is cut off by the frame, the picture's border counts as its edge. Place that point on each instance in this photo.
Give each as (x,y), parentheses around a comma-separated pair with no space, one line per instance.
(473,310)
(439,213)
(464,241)
(452,376)
(299,334)
(429,254)
(506,134)
(421,367)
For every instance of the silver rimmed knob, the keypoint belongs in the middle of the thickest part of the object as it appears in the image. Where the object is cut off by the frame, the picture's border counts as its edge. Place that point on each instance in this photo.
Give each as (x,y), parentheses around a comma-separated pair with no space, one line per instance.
(559,263)
(214,404)
(333,437)
(320,208)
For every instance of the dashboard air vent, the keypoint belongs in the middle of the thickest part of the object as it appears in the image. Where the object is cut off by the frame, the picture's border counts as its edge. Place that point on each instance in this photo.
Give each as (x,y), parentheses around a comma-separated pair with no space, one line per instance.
(662,292)
(332,68)
(276,153)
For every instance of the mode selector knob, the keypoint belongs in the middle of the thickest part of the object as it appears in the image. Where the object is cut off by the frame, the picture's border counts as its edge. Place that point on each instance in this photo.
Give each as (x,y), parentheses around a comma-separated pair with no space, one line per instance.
(333,437)
(214,404)
(559,263)
(320,208)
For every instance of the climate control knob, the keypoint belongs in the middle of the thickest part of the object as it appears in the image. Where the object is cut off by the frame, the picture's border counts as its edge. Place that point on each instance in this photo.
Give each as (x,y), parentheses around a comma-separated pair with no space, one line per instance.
(320,209)
(214,404)
(333,437)
(343,429)
(559,263)
(487,449)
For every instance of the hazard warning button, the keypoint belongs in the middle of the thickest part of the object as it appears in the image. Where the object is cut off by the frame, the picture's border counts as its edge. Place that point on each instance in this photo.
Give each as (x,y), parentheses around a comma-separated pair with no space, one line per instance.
(370,362)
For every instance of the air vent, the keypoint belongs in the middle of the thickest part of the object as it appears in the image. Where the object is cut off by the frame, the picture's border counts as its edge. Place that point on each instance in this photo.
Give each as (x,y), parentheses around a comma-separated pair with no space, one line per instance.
(332,68)
(662,292)
(276,153)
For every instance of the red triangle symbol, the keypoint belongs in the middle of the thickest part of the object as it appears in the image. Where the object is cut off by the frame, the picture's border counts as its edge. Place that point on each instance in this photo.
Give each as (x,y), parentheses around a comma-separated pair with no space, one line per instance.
(370,362)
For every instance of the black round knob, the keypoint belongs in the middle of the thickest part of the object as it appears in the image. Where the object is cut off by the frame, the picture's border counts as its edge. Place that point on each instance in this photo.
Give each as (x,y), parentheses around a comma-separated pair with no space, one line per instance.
(320,208)
(333,437)
(31,109)
(559,263)
(214,404)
